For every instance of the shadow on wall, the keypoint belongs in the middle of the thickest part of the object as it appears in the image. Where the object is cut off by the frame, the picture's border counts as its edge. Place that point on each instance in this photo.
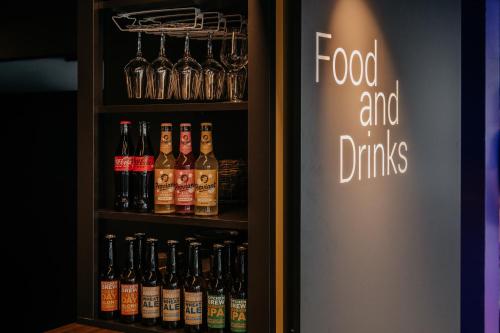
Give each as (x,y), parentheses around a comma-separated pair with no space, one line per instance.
(39,123)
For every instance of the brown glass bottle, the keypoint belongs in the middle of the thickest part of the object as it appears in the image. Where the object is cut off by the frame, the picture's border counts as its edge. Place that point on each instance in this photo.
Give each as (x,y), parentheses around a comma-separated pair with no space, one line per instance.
(239,294)
(109,281)
(123,167)
(194,290)
(228,273)
(164,173)
(206,175)
(216,294)
(184,174)
(151,286)
(143,174)
(171,291)
(129,287)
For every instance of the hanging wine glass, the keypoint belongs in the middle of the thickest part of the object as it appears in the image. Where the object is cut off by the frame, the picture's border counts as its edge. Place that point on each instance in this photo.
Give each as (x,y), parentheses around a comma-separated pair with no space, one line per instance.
(138,75)
(213,75)
(188,76)
(161,70)
(234,56)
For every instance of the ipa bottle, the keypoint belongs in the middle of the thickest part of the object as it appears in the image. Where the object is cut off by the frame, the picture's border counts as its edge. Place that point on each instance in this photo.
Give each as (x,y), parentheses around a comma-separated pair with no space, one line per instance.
(216,294)
(164,173)
(171,291)
(129,287)
(184,174)
(109,280)
(193,293)
(206,200)
(239,294)
(123,165)
(229,255)
(151,285)
(143,171)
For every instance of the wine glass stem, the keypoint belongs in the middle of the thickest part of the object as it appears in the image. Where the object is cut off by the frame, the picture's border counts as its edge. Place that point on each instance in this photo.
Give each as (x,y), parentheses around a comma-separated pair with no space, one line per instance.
(139,45)
(162,45)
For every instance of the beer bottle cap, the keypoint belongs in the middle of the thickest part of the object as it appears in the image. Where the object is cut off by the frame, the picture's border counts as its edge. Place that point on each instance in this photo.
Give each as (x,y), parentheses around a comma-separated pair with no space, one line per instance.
(166,124)
(217,246)
(185,124)
(172,242)
(151,239)
(206,124)
(139,234)
(129,238)
(195,244)
(110,236)
(125,122)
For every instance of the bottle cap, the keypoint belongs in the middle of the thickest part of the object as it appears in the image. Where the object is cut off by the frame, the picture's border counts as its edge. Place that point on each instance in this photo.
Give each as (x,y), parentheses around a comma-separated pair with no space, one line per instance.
(125,122)
(166,124)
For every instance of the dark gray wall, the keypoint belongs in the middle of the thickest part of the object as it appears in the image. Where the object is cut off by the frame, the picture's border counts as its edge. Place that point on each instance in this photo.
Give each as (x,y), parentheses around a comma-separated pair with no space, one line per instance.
(382,254)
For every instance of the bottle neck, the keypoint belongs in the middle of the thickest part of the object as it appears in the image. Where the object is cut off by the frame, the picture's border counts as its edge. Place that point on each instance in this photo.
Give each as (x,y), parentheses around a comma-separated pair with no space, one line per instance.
(185,143)
(228,260)
(242,270)
(140,253)
(206,142)
(130,263)
(124,130)
(139,45)
(195,265)
(109,260)
(166,142)
(171,263)
(210,54)
(152,258)
(217,264)
(189,259)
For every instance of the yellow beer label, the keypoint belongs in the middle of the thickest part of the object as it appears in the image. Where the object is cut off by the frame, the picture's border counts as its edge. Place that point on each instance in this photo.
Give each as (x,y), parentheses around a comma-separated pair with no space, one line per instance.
(164,186)
(206,142)
(206,188)
(193,308)
(171,304)
(150,302)
(216,311)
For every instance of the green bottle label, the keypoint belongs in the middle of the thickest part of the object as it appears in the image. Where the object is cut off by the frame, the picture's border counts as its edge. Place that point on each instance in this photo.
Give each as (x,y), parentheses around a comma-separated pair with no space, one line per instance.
(238,315)
(216,311)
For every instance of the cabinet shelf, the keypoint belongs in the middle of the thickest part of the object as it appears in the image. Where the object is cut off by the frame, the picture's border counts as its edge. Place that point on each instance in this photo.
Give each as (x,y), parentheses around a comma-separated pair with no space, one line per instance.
(236,219)
(121,327)
(173,107)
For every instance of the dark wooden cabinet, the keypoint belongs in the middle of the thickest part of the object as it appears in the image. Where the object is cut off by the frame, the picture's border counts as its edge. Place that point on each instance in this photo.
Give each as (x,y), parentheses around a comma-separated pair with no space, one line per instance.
(241,131)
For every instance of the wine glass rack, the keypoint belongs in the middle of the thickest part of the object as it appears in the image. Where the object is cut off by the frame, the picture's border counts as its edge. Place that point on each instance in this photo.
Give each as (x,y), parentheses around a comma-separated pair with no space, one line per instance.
(178,22)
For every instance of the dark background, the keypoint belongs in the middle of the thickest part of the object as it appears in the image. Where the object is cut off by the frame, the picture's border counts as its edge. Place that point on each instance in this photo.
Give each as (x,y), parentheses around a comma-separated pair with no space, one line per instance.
(39,164)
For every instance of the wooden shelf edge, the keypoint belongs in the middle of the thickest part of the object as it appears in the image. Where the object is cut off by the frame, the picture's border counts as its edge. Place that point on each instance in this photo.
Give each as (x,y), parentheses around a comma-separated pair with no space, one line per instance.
(174,107)
(121,327)
(233,219)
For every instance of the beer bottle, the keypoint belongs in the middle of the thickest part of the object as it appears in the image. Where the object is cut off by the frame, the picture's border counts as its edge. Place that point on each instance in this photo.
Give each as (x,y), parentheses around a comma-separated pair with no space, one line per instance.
(239,294)
(143,171)
(151,285)
(123,168)
(164,173)
(206,198)
(194,290)
(109,280)
(171,300)
(216,294)
(129,287)
(229,253)
(184,174)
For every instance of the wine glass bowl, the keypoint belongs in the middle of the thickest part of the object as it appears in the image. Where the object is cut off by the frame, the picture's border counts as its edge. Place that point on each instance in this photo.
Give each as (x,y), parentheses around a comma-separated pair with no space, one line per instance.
(234,55)
(213,76)
(138,75)
(187,76)
(162,78)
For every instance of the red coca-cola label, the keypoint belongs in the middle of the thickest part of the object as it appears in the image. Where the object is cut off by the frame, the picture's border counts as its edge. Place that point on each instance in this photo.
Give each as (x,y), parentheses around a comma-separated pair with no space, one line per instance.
(123,163)
(143,163)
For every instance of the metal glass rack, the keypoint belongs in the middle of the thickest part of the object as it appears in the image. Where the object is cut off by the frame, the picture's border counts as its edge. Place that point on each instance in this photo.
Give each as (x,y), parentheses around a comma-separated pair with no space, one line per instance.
(178,22)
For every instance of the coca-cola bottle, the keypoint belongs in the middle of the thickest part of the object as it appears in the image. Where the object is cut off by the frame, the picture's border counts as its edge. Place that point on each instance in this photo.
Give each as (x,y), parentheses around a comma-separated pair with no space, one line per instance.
(123,167)
(143,171)
(184,174)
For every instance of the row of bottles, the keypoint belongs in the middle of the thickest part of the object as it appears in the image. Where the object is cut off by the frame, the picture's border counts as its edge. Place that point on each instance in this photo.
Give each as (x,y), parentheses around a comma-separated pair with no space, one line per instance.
(175,299)
(182,185)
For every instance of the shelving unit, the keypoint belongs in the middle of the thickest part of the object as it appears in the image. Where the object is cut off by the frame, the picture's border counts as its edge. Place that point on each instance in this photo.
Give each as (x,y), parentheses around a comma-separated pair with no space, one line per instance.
(244,131)
(173,107)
